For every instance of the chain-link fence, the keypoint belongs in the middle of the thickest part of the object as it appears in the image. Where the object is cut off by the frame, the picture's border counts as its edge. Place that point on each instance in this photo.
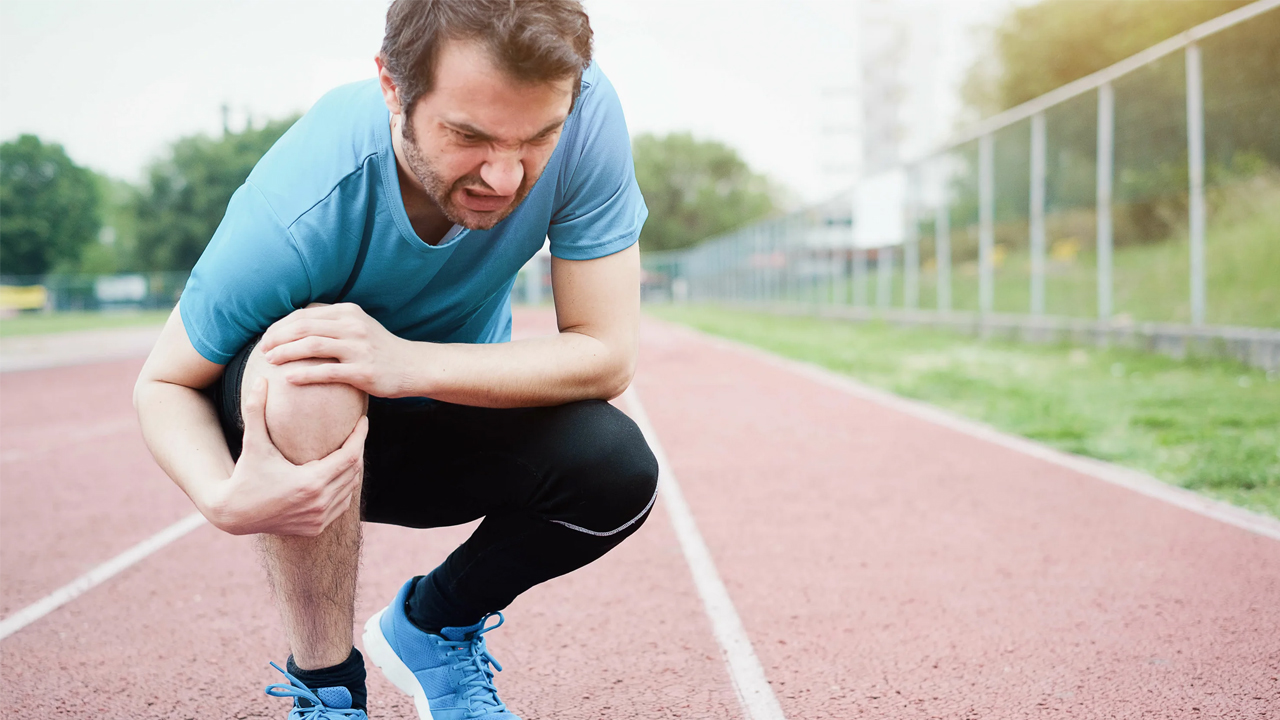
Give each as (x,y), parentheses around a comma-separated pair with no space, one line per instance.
(90,293)
(1148,192)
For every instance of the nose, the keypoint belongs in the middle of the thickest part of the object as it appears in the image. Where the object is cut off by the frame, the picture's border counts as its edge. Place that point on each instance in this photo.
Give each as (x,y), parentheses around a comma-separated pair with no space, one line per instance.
(503,172)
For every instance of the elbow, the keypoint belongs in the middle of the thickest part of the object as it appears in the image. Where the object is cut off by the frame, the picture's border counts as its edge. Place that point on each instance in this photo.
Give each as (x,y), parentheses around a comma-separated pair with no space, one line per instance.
(619,380)
(143,389)
(137,393)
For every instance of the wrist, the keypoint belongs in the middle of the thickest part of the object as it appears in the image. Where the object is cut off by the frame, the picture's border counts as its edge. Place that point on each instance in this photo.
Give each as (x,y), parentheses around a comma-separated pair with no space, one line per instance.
(416,375)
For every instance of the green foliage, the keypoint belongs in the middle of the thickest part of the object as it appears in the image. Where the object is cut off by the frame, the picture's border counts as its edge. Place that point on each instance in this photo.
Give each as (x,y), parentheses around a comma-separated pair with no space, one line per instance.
(1043,46)
(116,252)
(1039,47)
(49,207)
(695,189)
(1210,426)
(187,193)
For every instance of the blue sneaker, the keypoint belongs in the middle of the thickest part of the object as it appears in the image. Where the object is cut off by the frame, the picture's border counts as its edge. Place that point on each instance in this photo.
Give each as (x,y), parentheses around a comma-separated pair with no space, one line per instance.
(448,674)
(331,703)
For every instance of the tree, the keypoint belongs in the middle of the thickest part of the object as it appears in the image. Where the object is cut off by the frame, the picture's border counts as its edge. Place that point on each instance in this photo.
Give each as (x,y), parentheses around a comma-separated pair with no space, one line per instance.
(49,207)
(695,189)
(1039,47)
(187,193)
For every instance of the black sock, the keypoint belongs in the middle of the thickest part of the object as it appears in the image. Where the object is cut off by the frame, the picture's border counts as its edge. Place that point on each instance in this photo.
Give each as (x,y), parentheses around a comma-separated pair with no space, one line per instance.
(348,674)
(429,607)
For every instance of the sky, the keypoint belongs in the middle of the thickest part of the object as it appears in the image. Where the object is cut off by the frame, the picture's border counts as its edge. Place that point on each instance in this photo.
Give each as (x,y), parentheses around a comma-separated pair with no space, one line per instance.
(115,81)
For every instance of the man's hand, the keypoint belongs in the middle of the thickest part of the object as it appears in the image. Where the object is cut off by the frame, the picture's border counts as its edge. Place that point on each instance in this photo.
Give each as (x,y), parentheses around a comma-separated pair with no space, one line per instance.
(369,356)
(268,494)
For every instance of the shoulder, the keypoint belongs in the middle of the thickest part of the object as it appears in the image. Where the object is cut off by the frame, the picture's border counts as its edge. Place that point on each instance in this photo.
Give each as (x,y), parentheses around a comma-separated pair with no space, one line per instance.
(596,98)
(596,123)
(334,140)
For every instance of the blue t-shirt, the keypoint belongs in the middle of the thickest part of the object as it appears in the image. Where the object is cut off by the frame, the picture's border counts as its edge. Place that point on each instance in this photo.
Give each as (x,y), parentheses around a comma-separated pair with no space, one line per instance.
(321,219)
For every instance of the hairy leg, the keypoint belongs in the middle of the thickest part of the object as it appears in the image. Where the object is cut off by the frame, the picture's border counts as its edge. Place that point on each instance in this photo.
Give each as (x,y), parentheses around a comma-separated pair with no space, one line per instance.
(312,579)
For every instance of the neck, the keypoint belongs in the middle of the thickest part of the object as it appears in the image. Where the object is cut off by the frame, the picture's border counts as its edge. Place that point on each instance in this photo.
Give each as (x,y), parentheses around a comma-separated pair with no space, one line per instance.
(424,214)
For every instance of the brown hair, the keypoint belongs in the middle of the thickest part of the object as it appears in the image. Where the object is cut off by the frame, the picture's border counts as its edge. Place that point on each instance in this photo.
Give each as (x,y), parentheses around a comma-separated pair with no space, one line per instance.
(533,40)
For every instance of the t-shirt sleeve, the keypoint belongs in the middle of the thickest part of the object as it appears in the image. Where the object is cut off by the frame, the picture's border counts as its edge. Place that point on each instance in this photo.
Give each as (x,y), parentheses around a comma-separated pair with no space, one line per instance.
(249,276)
(602,209)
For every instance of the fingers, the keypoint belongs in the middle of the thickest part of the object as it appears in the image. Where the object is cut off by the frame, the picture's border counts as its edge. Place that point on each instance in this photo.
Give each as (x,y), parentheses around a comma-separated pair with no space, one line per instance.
(355,441)
(341,491)
(337,510)
(309,346)
(314,319)
(253,410)
(298,326)
(350,455)
(338,372)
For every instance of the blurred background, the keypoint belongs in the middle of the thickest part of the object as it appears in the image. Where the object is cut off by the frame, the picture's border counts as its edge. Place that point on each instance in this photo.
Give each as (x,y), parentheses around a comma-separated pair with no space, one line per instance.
(852,129)
(149,113)
(944,198)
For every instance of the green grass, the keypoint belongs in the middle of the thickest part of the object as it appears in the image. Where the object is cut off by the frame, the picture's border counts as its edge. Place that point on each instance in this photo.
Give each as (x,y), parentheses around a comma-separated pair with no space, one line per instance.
(43,323)
(1211,426)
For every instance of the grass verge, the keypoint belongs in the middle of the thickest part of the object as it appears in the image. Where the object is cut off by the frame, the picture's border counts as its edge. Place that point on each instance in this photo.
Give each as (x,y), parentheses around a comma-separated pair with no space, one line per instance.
(43,323)
(1210,426)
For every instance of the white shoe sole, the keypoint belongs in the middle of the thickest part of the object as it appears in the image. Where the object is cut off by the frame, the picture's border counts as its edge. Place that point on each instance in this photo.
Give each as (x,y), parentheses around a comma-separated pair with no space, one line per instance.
(379,650)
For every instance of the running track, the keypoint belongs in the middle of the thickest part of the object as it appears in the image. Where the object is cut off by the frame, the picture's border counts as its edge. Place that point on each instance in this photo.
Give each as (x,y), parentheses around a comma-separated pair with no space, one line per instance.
(881,565)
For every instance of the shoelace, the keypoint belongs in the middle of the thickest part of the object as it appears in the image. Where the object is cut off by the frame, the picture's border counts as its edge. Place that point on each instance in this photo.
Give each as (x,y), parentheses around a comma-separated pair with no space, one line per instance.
(317,711)
(472,658)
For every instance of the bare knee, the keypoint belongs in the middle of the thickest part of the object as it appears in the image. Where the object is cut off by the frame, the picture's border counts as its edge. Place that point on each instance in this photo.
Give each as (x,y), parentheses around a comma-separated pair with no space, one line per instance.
(305,422)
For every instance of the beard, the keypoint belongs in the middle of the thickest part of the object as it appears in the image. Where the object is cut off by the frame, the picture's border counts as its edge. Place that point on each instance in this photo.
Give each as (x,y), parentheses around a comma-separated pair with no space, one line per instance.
(441,191)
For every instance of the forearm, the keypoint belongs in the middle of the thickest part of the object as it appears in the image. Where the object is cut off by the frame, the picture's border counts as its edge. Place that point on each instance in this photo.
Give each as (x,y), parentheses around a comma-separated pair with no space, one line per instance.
(181,429)
(524,373)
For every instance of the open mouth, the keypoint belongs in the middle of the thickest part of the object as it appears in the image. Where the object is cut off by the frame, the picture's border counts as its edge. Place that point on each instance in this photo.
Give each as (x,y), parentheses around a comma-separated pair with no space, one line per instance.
(480,202)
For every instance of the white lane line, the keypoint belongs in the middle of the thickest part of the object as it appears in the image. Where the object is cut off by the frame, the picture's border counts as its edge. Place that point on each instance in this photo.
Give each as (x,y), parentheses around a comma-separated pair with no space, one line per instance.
(1134,480)
(757,698)
(97,575)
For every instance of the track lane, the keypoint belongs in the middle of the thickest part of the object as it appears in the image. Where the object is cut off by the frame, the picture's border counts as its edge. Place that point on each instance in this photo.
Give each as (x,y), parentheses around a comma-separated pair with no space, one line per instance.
(79,485)
(188,631)
(885,566)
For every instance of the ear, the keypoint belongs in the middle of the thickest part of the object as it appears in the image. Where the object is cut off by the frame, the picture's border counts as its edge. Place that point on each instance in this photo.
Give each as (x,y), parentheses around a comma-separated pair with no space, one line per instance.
(390,93)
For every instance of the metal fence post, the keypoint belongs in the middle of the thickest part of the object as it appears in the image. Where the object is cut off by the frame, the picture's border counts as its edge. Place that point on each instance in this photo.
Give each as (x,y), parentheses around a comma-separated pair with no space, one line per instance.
(738,276)
(726,271)
(942,250)
(784,252)
(1037,212)
(759,281)
(884,277)
(833,278)
(860,277)
(986,222)
(911,248)
(1106,154)
(731,267)
(776,268)
(1195,168)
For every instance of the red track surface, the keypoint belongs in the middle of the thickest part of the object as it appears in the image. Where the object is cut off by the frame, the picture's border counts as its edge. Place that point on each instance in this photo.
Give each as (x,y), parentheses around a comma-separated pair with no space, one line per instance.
(882,566)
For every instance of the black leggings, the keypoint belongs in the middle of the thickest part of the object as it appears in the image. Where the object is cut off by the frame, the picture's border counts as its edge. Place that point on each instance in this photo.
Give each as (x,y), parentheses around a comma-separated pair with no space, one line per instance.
(558,487)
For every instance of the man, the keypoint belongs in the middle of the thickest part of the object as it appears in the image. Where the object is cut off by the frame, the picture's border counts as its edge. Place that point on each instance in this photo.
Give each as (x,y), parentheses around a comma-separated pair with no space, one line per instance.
(341,351)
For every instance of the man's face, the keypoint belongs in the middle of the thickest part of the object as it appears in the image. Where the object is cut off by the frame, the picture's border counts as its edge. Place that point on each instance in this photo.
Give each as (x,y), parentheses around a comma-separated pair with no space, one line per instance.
(479,140)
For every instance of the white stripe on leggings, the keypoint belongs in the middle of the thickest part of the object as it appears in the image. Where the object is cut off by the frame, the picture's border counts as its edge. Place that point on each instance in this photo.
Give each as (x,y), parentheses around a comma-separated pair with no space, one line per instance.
(624,526)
